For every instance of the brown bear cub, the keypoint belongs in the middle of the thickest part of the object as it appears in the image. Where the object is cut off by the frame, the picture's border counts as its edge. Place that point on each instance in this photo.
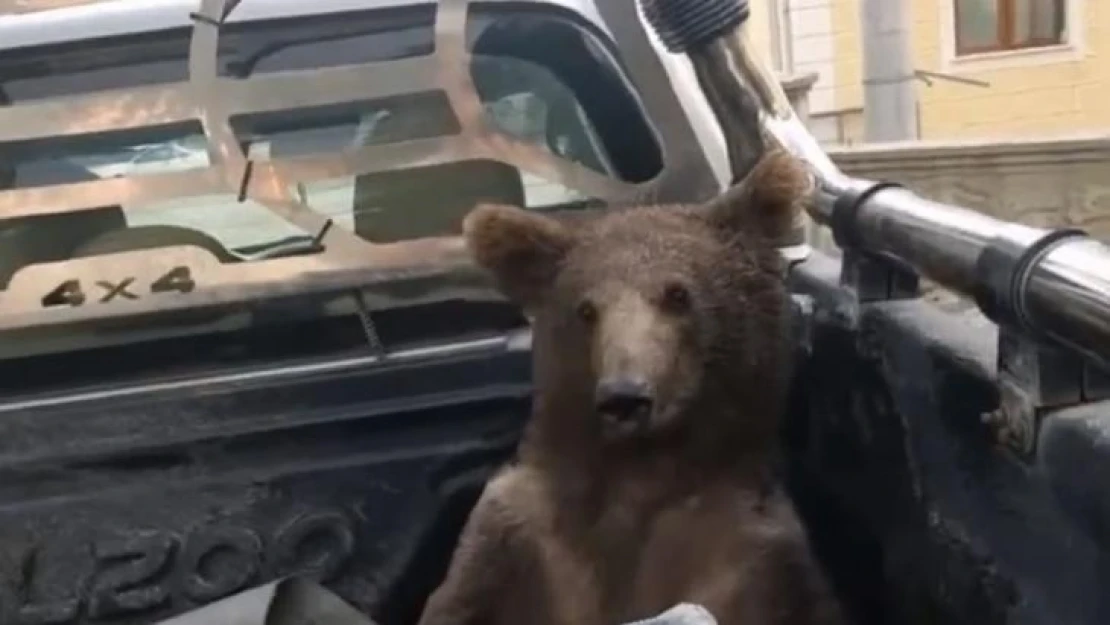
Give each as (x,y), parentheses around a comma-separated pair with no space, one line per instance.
(661,348)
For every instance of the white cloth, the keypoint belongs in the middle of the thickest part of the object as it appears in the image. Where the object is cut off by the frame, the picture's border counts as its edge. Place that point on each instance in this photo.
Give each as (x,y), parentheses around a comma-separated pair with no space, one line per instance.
(681,614)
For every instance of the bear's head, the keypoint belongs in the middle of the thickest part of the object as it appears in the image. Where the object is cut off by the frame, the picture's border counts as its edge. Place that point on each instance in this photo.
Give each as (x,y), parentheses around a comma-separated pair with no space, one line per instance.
(651,321)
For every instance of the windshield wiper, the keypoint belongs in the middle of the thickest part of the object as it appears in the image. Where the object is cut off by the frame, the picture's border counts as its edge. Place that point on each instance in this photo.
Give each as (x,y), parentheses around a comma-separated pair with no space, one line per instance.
(296,245)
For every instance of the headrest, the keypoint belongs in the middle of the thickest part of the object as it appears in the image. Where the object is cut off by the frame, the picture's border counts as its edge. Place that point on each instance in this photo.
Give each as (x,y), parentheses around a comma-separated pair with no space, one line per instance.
(49,238)
(430,201)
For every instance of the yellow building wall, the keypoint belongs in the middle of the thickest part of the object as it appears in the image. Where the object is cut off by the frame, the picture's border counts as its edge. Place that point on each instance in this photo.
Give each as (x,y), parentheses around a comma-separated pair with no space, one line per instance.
(848,54)
(1045,98)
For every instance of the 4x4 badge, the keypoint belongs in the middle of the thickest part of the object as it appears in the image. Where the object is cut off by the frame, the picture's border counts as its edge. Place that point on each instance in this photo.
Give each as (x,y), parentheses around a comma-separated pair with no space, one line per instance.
(69,293)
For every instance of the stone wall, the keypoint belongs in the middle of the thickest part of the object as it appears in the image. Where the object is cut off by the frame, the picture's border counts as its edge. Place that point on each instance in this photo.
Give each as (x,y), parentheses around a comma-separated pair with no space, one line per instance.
(1042,182)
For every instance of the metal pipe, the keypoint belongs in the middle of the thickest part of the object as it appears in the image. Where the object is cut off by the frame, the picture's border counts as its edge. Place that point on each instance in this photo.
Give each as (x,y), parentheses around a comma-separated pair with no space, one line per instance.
(1068,297)
(1061,293)
(1053,284)
(742,129)
(740,91)
(941,241)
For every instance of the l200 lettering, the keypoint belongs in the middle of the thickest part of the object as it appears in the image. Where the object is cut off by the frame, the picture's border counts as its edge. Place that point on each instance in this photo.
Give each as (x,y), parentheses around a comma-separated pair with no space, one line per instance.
(145,572)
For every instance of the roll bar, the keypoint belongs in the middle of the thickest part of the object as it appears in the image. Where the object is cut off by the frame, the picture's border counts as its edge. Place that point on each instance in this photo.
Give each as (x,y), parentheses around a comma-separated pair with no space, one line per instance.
(1052,284)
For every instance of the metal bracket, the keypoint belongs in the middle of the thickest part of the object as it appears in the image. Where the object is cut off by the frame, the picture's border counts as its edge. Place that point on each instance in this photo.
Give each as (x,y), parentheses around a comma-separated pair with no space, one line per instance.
(1035,379)
(875,277)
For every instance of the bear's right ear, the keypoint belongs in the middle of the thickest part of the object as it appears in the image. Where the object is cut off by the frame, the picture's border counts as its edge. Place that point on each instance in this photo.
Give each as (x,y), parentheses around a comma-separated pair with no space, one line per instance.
(522,250)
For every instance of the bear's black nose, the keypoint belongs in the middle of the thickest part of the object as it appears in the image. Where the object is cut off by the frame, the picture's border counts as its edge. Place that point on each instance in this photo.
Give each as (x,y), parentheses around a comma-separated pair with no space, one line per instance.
(624,399)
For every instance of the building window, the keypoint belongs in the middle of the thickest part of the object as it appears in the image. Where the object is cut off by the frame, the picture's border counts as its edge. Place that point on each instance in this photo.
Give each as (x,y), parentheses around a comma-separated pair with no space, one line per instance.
(999,25)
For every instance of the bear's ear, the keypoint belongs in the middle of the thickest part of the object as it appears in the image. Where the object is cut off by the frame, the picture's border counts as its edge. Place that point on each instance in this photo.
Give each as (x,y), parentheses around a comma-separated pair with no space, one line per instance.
(522,250)
(767,202)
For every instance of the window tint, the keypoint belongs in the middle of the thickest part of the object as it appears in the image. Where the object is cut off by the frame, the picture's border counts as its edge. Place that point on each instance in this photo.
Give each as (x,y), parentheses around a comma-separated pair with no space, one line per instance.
(84,66)
(246,48)
(279,45)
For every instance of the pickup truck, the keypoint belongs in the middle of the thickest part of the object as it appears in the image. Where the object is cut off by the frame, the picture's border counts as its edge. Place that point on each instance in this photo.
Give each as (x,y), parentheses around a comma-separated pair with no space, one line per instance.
(240,341)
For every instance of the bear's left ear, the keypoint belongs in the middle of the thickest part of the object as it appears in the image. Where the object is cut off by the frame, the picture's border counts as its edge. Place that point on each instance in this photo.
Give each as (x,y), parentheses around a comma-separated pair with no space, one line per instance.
(522,250)
(766,203)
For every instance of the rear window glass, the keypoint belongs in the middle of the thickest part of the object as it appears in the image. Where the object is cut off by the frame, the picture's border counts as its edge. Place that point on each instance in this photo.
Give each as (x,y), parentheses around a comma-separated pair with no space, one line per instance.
(543,77)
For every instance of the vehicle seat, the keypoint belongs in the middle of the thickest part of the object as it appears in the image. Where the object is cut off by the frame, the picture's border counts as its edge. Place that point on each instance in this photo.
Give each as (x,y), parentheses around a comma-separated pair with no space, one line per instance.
(39,239)
(430,201)
(152,237)
(49,238)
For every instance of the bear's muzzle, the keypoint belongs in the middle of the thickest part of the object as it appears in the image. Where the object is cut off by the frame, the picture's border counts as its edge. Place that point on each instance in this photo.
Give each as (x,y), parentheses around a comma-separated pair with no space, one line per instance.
(624,402)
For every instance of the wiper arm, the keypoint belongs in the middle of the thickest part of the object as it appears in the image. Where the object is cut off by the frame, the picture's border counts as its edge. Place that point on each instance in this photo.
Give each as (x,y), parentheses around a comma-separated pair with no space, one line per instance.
(296,245)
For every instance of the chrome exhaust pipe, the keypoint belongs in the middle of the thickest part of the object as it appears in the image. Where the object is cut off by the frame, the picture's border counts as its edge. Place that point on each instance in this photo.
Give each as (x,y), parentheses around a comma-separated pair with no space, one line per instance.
(1052,284)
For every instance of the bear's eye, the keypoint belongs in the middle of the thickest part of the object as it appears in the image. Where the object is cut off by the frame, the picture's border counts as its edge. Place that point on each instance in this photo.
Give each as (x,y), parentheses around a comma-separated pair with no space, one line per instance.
(586,311)
(676,298)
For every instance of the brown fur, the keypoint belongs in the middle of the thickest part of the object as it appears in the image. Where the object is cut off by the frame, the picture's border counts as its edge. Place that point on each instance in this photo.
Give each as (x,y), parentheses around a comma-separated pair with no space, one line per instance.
(600,523)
